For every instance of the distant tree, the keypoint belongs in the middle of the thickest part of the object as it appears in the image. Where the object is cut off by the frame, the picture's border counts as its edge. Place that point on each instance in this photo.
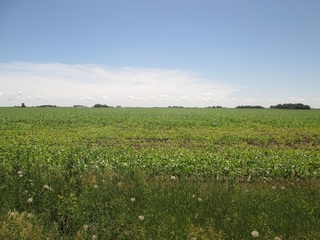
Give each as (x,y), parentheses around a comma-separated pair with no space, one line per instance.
(48,106)
(23,105)
(175,106)
(215,107)
(250,107)
(98,105)
(291,106)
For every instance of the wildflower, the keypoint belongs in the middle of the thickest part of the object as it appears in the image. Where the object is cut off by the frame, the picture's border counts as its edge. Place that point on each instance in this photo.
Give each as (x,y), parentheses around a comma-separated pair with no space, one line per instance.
(95,186)
(199,199)
(85,227)
(173,178)
(132,199)
(141,217)
(20,174)
(255,234)
(30,200)
(273,187)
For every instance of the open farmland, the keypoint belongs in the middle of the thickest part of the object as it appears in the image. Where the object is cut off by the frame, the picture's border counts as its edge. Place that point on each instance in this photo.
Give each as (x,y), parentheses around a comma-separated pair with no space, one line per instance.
(159,173)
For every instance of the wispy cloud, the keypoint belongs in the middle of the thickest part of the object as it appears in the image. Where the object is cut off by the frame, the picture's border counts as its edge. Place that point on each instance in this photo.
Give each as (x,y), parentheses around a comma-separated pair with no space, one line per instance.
(88,84)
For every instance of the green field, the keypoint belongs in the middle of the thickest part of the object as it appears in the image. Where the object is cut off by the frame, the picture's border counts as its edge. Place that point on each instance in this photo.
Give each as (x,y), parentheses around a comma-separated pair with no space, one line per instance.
(159,173)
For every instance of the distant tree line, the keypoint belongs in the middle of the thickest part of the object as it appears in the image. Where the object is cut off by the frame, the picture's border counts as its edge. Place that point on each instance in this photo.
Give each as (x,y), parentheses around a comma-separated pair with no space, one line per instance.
(250,107)
(291,106)
(48,106)
(98,105)
(175,107)
(215,107)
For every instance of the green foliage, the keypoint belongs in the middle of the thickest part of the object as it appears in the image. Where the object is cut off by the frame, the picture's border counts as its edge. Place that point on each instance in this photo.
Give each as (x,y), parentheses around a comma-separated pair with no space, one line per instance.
(250,107)
(291,106)
(71,173)
(98,105)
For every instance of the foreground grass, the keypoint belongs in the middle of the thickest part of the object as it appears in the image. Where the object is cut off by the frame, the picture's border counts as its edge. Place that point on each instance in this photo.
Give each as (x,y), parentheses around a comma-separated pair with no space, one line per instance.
(109,205)
(159,174)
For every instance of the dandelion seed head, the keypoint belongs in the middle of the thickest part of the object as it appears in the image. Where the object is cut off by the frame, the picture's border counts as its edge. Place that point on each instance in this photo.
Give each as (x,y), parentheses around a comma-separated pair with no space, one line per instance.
(173,178)
(46,187)
(95,186)
(94,237)
(85,227)
(255,234)
(19,173)
(199,199)
(141,217)
(13,214)
(29,200)
(273,187)
(283,188)
(132,199)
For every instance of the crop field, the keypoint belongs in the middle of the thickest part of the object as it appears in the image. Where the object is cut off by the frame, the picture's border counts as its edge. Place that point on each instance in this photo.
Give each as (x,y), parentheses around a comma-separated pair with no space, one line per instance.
(159,173)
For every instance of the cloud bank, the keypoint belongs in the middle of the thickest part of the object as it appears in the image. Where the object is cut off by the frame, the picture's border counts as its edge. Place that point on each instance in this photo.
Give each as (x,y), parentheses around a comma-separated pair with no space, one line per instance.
(66,85)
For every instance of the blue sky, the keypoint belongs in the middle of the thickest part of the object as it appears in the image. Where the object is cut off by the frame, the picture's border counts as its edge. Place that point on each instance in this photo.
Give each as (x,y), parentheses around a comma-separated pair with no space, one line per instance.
(160,52)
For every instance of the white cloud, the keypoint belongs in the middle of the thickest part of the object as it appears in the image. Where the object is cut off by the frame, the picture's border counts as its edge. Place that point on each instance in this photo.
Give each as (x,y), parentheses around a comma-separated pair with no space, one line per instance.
(64,84)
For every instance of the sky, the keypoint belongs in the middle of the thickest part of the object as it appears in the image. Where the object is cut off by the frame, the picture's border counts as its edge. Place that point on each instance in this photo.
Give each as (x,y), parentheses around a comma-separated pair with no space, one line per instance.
(159,53)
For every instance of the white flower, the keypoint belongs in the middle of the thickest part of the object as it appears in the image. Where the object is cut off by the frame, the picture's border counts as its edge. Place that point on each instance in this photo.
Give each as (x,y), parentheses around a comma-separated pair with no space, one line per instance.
(255,234)
(29,200)
(19,172)
(132,199)
(141,217)
(199,199)
(173,178)
(273,187)
(95,186)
